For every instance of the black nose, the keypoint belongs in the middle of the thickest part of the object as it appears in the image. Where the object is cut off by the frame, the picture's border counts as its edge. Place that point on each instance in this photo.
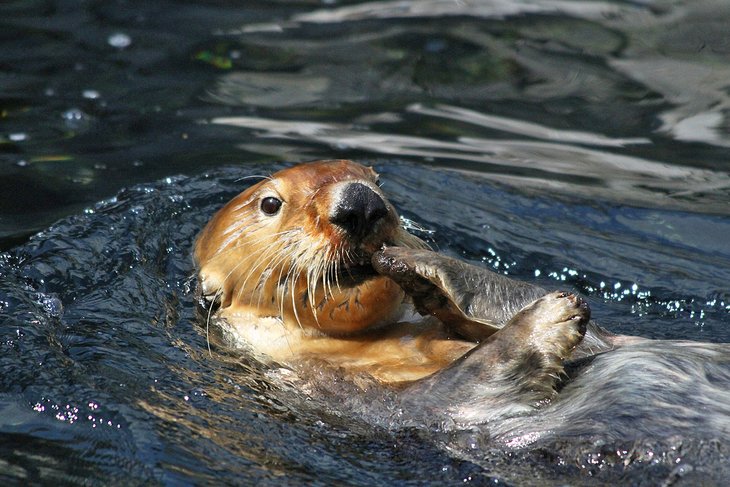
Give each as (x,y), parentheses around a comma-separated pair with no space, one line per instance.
(358,210)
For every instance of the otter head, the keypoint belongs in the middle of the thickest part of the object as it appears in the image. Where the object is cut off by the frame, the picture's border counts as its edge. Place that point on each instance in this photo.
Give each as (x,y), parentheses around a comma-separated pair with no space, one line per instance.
(297,246)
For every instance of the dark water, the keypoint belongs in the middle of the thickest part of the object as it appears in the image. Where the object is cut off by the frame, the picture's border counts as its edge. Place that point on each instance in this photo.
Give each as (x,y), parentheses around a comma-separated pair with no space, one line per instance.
(573,144)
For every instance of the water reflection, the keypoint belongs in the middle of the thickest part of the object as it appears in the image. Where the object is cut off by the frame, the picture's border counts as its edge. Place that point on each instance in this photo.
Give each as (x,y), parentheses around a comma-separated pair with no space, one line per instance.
(558,167)
(698,91)
(521,127)
(602,99)
(493,9)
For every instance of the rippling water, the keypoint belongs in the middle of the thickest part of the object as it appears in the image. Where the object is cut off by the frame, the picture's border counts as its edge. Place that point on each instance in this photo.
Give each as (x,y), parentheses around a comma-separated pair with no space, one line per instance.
(572,144)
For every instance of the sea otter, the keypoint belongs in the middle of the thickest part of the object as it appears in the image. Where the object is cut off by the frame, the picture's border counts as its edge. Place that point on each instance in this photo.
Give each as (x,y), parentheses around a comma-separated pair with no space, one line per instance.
(311,264)
(289,263)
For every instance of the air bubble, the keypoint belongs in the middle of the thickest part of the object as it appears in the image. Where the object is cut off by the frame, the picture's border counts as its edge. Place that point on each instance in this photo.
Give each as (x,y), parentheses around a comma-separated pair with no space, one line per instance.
(73,115)
(120,40)
(52,305)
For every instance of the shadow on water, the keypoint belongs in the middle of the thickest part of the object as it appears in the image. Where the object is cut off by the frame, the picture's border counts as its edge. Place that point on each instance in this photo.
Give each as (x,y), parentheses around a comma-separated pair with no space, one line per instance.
(573,144)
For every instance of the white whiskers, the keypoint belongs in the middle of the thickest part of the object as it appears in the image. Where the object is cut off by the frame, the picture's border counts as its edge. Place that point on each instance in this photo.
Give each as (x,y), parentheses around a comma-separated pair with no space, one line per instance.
(289,268)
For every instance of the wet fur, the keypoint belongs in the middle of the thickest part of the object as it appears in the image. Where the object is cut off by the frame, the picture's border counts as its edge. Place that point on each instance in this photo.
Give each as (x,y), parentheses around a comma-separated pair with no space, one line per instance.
(512,372)
(281,281)
(616,388)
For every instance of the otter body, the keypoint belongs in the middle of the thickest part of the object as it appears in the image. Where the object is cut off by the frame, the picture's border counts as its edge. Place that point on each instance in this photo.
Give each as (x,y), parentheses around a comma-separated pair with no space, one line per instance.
(324,272)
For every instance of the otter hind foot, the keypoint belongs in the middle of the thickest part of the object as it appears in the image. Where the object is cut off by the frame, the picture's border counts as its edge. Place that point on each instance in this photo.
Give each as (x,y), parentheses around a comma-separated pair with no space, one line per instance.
(543,335)
(511,372)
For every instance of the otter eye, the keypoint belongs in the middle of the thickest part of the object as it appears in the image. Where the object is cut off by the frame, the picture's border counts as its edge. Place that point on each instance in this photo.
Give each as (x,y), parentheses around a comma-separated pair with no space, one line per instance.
(270,205)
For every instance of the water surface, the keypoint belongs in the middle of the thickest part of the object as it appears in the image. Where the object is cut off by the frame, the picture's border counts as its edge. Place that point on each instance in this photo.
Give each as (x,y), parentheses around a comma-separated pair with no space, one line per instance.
(573,144)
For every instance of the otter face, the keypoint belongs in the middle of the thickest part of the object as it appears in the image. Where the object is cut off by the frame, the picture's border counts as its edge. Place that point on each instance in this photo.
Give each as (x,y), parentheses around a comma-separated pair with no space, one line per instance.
(297,246)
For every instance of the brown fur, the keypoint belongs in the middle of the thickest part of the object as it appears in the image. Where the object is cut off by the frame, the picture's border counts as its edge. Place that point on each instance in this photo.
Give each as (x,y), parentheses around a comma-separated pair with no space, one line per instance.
(279,279)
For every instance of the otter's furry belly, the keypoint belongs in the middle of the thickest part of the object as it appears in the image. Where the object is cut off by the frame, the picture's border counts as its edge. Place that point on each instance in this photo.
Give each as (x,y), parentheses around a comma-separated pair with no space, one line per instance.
(398,353)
